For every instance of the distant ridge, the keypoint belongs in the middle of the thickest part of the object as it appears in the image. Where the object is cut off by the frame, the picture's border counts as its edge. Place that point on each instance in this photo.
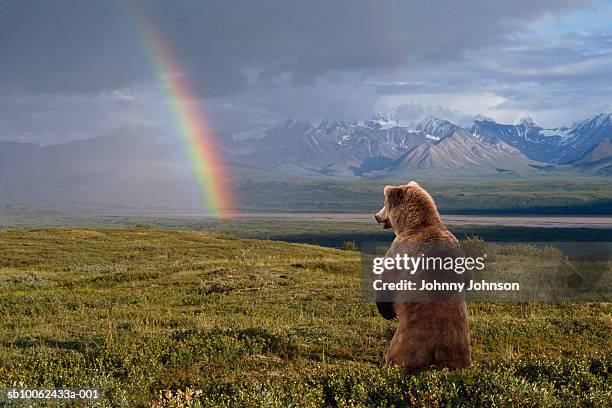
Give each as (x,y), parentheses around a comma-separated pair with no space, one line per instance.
(380,146)
(132,168)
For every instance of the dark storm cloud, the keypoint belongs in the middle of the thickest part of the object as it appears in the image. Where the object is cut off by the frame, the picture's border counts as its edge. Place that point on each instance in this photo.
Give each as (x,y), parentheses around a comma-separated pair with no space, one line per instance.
(65,47)
(80,68)
(90,46)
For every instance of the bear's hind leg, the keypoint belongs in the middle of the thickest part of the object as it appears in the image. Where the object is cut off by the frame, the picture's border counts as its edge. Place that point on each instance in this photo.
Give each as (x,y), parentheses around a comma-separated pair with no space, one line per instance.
(453,358)
(410,352)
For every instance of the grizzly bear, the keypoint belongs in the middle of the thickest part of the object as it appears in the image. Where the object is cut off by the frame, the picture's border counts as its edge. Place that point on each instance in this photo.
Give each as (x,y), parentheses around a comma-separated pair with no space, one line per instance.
(429,332)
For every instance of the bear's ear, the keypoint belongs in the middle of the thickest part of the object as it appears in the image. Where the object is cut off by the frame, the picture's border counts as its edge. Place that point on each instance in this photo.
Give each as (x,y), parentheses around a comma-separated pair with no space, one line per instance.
(414,184)
(394,194)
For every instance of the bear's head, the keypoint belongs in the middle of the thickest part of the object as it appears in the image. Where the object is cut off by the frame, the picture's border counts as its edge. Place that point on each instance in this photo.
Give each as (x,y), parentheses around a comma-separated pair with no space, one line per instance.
(407,208)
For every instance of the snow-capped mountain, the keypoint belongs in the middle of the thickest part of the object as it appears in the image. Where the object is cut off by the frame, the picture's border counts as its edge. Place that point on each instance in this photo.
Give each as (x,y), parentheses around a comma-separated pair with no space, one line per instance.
(375,146)
(436,128)
(379,123)
(332,148)
(381,145)
(525,136)
(557,145)
(588,133)
(461,151)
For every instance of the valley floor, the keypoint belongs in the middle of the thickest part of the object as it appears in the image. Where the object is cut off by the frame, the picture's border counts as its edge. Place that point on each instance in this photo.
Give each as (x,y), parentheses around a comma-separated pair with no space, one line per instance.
(243,322)
(367,218)
(492,220)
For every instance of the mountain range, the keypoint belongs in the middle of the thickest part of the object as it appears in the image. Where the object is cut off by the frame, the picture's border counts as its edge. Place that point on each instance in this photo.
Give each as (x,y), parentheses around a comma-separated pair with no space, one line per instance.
(381,147)
(131,168)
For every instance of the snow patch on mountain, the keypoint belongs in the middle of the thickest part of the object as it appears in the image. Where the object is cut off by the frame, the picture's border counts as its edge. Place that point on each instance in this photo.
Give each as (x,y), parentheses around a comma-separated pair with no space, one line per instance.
(560,132)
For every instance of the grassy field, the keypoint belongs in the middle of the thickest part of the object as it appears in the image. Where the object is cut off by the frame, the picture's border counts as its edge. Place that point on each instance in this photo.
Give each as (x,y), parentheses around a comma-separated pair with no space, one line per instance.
(503,195)
(142,313)
(585,196)
(332,233)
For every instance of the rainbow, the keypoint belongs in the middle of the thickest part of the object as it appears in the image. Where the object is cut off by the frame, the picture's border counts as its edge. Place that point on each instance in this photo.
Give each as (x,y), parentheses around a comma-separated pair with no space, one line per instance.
(206,161)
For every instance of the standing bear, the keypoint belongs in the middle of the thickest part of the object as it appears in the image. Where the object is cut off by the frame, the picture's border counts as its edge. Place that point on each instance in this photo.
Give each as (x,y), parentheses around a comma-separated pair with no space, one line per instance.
(430,332)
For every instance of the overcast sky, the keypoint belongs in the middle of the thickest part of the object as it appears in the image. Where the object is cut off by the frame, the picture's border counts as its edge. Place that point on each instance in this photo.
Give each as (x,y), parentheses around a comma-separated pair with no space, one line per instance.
(77,69)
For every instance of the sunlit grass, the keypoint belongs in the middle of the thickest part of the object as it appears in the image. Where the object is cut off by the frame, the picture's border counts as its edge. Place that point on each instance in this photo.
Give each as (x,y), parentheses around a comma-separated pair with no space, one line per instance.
(250,322)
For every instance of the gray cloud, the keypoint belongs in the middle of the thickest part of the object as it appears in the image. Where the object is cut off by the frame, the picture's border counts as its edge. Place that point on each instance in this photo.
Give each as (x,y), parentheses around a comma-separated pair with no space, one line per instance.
(83,46)
(268,60)
(412,112)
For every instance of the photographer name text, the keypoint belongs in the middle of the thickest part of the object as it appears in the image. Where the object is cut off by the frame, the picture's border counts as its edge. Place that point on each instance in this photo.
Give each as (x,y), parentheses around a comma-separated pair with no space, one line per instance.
(423,285)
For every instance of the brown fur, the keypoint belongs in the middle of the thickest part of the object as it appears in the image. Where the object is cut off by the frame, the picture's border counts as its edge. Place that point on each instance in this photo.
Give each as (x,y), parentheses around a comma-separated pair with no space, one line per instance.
(428,333)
